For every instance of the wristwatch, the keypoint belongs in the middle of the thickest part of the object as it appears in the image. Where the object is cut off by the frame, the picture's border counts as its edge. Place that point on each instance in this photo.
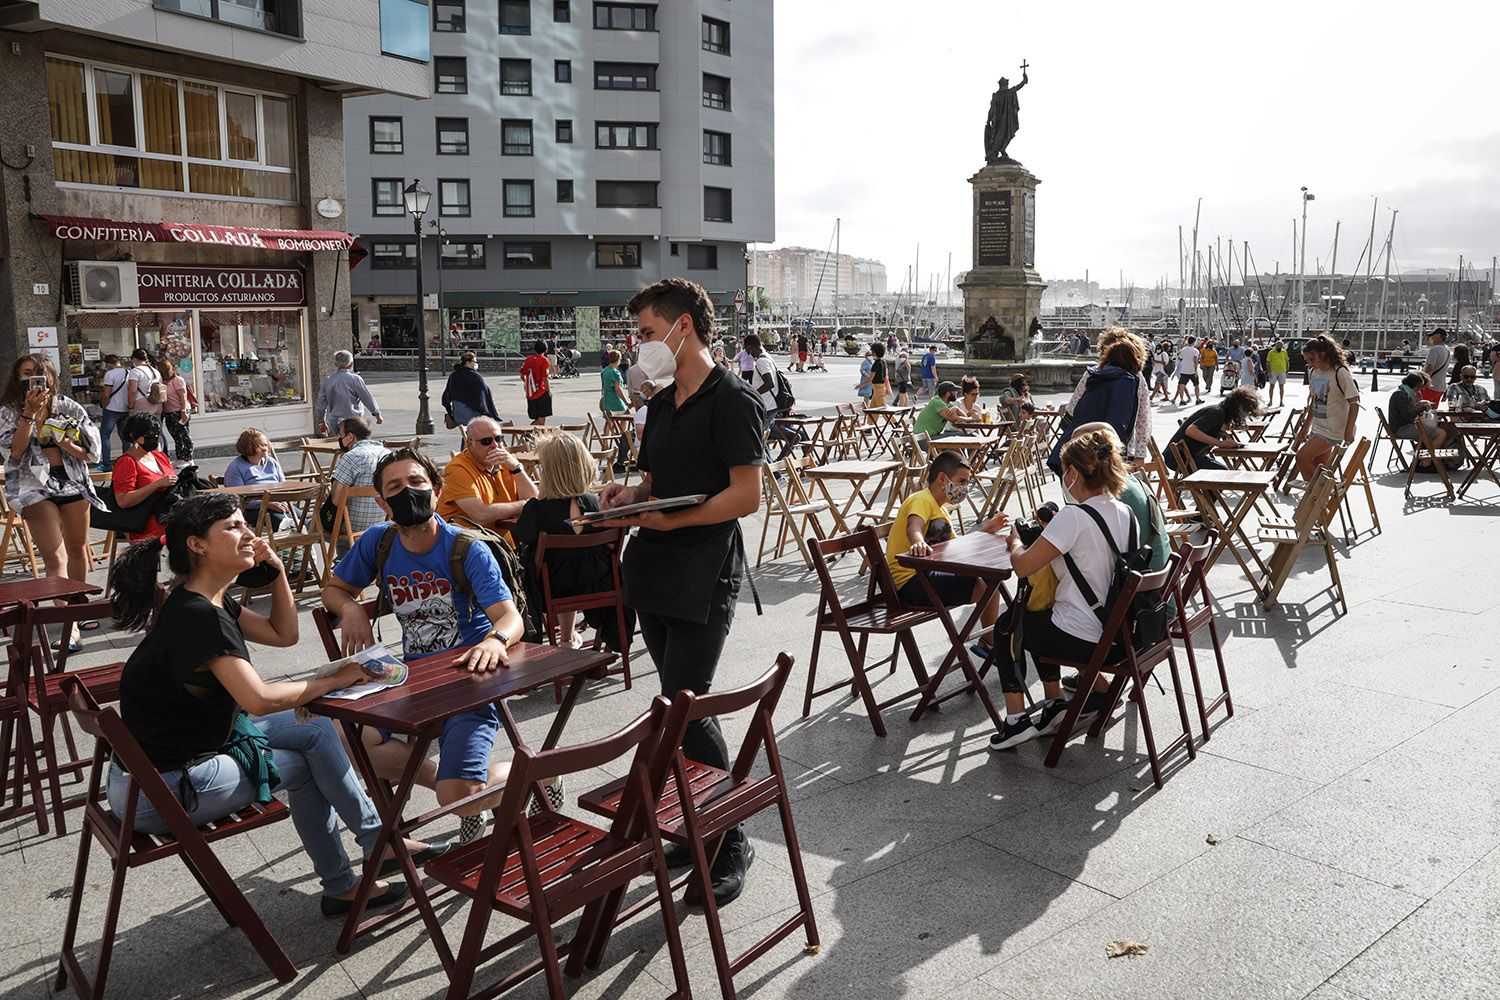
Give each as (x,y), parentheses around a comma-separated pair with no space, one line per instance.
(516,470)
(504,639)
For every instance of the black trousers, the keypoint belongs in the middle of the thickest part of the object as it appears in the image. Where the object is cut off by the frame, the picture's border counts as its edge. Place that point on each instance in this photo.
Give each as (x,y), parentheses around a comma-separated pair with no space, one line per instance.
(180,436)
(1040,637)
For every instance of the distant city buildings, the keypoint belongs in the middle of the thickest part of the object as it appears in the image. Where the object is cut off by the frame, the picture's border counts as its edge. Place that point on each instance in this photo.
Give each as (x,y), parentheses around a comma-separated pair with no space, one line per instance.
(798,275)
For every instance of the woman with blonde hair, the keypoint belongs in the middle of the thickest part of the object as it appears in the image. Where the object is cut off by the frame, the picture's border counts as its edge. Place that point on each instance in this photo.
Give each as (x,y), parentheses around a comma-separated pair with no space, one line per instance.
(564,492)
(256,466)
(1115,391)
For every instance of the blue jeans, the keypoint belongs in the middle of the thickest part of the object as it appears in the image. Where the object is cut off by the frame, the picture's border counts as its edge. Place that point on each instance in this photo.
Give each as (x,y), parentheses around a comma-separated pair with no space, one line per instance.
(317,777)
(111,420)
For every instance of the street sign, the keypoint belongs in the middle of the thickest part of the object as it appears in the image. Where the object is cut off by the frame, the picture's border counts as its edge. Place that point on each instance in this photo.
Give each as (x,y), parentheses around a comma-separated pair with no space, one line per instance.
(739,301)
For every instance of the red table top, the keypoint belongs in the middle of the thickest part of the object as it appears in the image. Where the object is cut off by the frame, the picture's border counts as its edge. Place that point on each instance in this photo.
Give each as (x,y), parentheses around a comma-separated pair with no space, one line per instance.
(46,589)
(436,689)
(978,553)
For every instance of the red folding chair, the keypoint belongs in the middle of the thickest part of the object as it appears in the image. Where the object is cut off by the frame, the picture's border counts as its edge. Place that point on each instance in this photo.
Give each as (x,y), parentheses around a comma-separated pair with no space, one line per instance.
(17,745)
(129,848)
(1115,655)
(1195,611)
(554,607)
(880,613)
(703,802)
(538,869)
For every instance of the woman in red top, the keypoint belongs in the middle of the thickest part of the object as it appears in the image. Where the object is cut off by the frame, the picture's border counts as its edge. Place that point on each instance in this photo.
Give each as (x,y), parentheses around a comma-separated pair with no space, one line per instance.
(144,470)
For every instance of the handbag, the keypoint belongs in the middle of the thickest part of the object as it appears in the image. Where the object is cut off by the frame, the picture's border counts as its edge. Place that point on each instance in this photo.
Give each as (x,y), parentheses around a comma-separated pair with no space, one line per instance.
(121,520)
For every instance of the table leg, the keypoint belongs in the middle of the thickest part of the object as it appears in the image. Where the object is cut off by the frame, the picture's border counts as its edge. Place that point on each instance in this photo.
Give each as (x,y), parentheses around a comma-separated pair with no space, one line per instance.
(957,654)
(833,506)
(1484,463)
(1208,504)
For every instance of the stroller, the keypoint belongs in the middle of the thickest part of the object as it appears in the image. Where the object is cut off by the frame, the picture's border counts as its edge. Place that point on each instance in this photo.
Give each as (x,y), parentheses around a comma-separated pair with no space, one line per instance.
(1230,378)
(567,363)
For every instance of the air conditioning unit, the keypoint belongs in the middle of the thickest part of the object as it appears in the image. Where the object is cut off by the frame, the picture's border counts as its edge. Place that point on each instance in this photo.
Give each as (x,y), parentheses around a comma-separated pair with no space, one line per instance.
(99,284)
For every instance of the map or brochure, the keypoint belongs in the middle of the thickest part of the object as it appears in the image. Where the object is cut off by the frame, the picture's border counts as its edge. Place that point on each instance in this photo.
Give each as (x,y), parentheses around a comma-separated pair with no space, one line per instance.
(383,668)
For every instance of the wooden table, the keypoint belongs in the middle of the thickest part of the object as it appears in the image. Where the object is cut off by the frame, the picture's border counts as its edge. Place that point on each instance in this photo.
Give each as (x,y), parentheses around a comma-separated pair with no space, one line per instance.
(856,472)
(1451,412)
(1259,455)
(888,420)
(1485,457)
(978,554)
(48,588)
(437,690)
(257,489)
(315,449)
(1208,487)
(529,461)
(973,445)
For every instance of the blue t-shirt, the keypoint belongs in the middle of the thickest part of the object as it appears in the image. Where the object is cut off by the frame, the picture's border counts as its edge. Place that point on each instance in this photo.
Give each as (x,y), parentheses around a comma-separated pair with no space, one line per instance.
(929,365)
(1236,354)
(242,473)
(433,618)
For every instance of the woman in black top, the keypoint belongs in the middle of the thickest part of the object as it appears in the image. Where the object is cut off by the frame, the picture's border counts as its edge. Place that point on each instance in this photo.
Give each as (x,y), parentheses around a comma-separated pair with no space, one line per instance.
(184,689)
(1205,430)
(467,395)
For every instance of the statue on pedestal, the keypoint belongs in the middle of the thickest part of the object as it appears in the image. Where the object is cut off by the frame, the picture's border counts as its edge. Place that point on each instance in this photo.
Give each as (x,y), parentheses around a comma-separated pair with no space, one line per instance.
(1003,121)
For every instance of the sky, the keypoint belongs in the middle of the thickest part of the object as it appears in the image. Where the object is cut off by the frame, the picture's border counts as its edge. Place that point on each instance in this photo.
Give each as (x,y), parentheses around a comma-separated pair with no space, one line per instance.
(1134,112)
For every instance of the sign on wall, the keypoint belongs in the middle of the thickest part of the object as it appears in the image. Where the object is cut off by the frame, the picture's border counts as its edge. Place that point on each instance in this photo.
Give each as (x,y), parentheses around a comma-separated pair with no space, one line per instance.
(185,285)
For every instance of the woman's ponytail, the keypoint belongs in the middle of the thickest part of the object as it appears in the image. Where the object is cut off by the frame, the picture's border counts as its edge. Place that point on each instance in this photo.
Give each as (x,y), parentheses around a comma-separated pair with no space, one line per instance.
(132,580)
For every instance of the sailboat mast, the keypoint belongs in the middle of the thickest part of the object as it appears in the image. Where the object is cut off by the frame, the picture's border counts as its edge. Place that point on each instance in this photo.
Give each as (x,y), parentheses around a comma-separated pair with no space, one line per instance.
(838,226)
(1386,280)
(1364,306)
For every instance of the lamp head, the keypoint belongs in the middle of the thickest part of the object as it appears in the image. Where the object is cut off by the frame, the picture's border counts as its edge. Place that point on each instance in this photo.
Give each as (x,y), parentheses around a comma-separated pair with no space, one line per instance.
(417,199)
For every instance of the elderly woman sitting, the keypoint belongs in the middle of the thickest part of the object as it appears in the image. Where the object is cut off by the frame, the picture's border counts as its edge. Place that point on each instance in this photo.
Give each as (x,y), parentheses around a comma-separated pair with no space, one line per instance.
(1407,406)
(256,466)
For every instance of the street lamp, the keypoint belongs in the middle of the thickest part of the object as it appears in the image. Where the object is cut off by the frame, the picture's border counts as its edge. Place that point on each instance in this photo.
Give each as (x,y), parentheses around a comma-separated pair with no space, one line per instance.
(417,199)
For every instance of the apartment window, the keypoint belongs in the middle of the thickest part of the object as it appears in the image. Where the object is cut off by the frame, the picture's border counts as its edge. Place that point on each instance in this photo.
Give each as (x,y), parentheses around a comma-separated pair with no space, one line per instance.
(403,26)
(561,11)
(393,255)
(562,71)
(515,77)
(461,254)
(385,135)
(515,17)
(118,128)
(448,16)
(450,75)
(625,16)
(565,130)
(564,192)
(716,148)
(625,194)
(716,36)
(385,196)
(716,91)
(281,17)
(702,258)
(520,199)
(528,255)
(453,136)
(453,197)
(718,204)
(625,76)
(624,135)
(617,255)
(515,137)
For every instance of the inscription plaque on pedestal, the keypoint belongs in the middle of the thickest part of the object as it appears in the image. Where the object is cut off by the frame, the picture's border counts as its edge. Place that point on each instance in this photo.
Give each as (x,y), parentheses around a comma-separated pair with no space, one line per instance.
(1028,229)
(993,229)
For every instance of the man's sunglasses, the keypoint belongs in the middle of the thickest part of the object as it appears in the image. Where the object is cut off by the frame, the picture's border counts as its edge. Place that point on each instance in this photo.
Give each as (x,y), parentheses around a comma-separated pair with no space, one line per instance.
(486,441)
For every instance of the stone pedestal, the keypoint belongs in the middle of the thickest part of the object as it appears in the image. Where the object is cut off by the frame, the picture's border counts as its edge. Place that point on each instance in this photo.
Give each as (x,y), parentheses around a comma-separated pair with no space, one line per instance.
(1002,292)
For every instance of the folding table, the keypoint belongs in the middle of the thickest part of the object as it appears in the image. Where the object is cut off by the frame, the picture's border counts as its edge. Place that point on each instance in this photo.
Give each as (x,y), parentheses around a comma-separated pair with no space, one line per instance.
(857,473)
(1484,457)
(1208,487)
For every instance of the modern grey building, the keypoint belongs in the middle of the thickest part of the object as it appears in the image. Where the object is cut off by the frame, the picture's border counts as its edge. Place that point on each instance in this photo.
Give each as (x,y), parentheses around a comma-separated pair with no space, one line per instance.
(575,151)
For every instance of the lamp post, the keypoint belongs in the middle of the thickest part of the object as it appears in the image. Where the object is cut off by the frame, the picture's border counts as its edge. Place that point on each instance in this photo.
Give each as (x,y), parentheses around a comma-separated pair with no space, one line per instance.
(442,239)
(417,199)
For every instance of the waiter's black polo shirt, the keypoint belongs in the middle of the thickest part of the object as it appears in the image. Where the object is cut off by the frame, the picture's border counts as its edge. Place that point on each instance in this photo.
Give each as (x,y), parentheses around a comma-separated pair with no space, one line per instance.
(691,449)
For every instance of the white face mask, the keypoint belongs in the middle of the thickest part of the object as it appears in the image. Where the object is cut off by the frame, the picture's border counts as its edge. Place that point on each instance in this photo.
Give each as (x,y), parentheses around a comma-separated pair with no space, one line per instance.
(657,360)
(1067,491)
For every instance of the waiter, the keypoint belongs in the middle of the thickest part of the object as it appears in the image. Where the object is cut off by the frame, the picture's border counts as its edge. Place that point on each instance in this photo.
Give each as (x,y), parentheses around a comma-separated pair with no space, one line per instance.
(682,571)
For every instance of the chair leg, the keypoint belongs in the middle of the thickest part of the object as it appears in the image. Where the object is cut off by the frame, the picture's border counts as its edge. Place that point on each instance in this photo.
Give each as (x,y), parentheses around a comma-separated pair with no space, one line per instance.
(799,874)
(862,682)
(240,913)
(669,922)
(812,669)
(1192,659)
(547,944)
(1140,687)
(1333,571)
(75,906)
(111,921)
(1187,729)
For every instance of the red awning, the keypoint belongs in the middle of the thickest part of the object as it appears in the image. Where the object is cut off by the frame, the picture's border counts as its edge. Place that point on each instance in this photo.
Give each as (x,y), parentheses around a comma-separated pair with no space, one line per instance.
(67,227)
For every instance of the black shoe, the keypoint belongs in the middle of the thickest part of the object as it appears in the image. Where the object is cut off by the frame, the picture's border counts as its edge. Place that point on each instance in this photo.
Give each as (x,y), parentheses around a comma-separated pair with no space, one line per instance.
(677,855)
(1092,706)
(1013,734)
(730,869)
(333,907)
(1050,718)
(1069,683)
(391,866)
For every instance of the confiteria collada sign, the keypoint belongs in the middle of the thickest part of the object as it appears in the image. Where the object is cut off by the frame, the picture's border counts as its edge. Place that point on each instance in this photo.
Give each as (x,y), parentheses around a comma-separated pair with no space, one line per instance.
(110,230)
(182,285)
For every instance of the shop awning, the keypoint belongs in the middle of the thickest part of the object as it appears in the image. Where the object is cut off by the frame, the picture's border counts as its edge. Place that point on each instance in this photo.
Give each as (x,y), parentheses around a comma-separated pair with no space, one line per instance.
(69,227)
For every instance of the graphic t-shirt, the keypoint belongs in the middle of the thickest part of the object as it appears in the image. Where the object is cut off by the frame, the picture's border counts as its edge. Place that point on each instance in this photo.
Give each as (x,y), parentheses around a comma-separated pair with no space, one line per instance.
(937,529)
(433,616)
(534,376)
(1329,396)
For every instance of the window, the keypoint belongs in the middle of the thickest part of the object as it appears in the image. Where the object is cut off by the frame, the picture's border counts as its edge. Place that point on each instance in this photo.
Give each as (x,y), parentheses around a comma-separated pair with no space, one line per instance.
(386,197)
(119,128)
(561,12)
(385,135)
(451,75)
(461,254)
(716,91)
(528,255)
(389,256)
(520,199)
(403,27)
(448,15)
(453,136)
(515,77)
(716,36)
(565,130)
(280,17)
(625,16)
(624,135)
(515,17)
(453,197)
(716,147)
(617,255)
(562,71)
(564,192)
(703,258)
(625,194)
(515,137)
(624,76)
(718,205)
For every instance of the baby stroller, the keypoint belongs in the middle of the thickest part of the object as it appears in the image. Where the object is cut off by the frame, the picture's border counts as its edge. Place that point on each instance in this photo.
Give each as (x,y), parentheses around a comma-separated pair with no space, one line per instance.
(1231,377)
(567,363)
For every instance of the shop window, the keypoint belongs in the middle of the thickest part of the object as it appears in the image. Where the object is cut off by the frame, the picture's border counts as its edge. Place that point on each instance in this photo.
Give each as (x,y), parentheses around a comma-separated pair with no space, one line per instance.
(250,359)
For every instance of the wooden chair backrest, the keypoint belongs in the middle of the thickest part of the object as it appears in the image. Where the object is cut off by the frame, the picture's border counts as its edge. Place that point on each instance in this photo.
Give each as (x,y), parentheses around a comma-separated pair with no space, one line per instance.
(764,693)
(327,624)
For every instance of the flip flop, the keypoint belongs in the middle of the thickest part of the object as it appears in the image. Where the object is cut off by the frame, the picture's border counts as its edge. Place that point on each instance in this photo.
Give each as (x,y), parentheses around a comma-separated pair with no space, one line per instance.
(92,625)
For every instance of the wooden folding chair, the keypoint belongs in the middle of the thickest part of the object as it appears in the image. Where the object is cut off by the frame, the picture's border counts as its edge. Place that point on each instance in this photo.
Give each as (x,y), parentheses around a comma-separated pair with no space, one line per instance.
(1115,655)
(343,526)
(1396,454)
(799,513)
(19,770)
(555,606)
(302,530)
(1437,457)
(1308,525)
(1353,474)
(880,613)
(538,869)
(396,444)
(128,848)
(1195,611)
(15,541)
(701,803)
(1005,480)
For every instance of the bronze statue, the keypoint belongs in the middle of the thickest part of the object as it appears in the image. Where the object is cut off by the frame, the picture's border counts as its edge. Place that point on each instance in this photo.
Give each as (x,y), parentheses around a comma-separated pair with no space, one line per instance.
(1003,121)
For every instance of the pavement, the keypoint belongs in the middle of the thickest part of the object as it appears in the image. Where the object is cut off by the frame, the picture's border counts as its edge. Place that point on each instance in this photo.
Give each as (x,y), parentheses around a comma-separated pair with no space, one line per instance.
(1336,839)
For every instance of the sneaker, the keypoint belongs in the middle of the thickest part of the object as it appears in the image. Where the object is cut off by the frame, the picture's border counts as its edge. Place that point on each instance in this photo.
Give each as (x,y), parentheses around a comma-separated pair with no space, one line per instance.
(1013,734)
(1069,682)
(1049,720)
(470,829)
(1092,706)
(730,869)
(677,856)
(554,790)
(980,651)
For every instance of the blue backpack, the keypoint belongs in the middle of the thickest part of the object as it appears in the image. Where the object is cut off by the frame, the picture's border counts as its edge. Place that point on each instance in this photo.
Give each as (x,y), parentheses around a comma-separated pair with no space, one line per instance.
(1110,394)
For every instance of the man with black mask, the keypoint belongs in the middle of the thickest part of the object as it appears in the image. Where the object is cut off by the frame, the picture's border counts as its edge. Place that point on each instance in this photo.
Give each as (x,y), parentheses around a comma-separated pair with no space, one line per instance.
(436,614)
